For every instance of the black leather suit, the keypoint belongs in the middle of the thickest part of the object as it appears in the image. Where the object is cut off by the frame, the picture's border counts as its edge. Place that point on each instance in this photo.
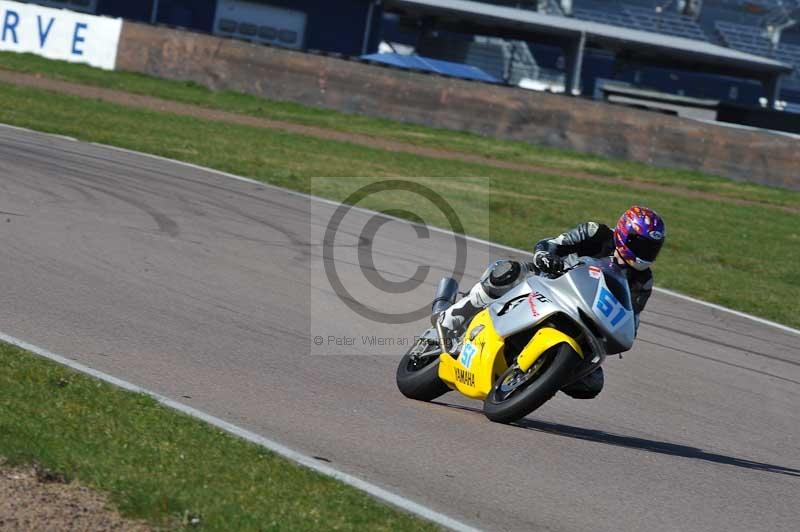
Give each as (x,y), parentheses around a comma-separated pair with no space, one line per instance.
(591,239)
(588,239)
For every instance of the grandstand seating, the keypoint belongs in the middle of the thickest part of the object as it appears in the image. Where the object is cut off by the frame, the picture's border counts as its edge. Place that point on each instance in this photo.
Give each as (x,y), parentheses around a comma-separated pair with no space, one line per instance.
(640,18)
(721,23)
(732,23)
(666,22)
(752,39)
(766,4)
(729,23)
(749,39)
(603,15)
(789,53)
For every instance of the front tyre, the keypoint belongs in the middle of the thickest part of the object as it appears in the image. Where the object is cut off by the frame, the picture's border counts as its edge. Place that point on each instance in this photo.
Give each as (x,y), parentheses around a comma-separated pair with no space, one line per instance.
(418,372)
(516,393)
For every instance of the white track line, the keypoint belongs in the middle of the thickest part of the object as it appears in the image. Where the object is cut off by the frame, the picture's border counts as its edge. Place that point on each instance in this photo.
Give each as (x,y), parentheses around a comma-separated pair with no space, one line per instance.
(55,135)
(279,449)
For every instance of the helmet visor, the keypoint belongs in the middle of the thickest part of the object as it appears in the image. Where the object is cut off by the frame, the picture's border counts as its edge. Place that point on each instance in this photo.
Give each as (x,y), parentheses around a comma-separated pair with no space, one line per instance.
(644,248)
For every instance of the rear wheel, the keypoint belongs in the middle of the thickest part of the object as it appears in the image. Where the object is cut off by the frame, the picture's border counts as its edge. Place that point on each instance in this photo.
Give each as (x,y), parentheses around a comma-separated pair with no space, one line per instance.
(517,393)
(418,372)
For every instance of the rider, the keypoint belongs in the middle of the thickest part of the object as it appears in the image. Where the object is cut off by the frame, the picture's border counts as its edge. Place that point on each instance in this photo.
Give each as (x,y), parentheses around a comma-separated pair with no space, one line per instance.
(634,243)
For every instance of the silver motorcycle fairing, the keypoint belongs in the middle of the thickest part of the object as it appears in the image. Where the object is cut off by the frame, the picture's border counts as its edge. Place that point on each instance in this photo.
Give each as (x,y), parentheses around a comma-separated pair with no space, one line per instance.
(582,293)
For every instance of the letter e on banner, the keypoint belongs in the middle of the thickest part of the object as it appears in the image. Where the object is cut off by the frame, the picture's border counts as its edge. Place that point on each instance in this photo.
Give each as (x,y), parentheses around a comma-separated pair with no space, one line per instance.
(78,38)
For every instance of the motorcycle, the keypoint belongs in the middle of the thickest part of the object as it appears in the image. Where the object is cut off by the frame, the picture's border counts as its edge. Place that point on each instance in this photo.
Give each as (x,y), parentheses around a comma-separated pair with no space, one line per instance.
(516,354)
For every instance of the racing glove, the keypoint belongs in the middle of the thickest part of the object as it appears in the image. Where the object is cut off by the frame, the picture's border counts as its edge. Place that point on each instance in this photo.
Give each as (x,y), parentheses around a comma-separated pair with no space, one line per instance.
(549,263)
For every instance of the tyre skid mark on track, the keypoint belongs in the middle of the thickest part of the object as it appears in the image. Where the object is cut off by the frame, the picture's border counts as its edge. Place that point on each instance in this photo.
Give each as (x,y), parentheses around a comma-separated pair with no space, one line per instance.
(487,243)
(795,347)
(725,362)
(719,343)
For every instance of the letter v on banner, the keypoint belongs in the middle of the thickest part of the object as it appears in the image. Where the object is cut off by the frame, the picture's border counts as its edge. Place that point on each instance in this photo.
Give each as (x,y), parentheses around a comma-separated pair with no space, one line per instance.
(59,34)
(44,31)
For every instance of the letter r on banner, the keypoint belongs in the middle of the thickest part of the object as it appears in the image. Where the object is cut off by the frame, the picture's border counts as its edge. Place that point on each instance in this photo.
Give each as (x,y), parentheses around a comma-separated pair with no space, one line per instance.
(10,26)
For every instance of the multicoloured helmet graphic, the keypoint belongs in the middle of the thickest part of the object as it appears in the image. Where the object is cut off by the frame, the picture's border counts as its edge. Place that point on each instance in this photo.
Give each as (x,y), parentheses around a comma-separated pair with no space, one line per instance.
(638,237)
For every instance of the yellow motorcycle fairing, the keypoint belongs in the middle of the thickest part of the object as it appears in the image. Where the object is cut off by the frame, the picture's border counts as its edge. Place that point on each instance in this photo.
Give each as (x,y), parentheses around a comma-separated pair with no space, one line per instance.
(544,339)
(481,361)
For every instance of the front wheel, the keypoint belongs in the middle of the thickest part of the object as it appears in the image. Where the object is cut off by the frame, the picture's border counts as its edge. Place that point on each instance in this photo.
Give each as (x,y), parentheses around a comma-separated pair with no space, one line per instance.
(418,372)
(516,393)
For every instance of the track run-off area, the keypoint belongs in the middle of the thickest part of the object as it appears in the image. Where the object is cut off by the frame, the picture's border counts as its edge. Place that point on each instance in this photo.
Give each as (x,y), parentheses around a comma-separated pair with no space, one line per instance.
(210,291)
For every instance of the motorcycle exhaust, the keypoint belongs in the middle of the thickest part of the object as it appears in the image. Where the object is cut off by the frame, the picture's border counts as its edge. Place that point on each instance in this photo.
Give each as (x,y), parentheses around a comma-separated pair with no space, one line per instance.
(446,293)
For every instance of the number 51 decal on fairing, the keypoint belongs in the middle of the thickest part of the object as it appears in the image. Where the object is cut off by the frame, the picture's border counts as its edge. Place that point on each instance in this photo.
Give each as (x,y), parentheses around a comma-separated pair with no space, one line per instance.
(467,353)
(610,311)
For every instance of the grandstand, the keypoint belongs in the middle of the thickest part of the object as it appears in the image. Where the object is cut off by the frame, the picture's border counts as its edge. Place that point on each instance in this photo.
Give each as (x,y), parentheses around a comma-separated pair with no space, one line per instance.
(640,18)
(729,50)
(588,41)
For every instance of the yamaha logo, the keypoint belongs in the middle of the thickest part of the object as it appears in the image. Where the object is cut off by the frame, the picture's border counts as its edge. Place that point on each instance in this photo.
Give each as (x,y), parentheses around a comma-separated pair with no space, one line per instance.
(656,235)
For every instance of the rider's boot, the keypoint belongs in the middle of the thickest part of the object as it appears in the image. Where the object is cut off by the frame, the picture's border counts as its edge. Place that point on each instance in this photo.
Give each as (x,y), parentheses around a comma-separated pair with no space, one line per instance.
(455,319)
(496,281)
(588,387)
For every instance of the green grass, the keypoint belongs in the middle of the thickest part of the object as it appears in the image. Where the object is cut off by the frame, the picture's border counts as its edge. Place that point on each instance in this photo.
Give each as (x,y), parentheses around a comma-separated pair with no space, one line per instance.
(744,257)
(563,161)
(165,467)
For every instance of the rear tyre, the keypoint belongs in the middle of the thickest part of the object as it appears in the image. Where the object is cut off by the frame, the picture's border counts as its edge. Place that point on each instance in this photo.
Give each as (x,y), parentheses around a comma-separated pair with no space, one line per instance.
(516,393)
(418,373)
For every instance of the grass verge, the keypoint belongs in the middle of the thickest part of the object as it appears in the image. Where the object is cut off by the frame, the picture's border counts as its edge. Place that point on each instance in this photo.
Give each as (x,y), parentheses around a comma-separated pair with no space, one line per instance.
(165,467)
(740,256)
(558,160)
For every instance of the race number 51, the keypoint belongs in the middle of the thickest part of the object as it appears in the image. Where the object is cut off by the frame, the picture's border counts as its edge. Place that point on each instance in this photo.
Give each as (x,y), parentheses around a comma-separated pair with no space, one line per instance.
(608,306)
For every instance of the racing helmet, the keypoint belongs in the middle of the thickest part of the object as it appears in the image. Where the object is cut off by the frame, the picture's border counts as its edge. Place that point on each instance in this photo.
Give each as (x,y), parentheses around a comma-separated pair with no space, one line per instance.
(638,237)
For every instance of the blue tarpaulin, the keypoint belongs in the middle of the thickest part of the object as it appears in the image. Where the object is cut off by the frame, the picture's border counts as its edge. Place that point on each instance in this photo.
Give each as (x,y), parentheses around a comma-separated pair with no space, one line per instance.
(416,62)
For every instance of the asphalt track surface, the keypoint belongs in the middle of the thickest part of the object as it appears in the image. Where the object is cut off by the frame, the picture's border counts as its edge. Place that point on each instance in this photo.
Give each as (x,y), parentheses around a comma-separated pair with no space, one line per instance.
(210,291)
